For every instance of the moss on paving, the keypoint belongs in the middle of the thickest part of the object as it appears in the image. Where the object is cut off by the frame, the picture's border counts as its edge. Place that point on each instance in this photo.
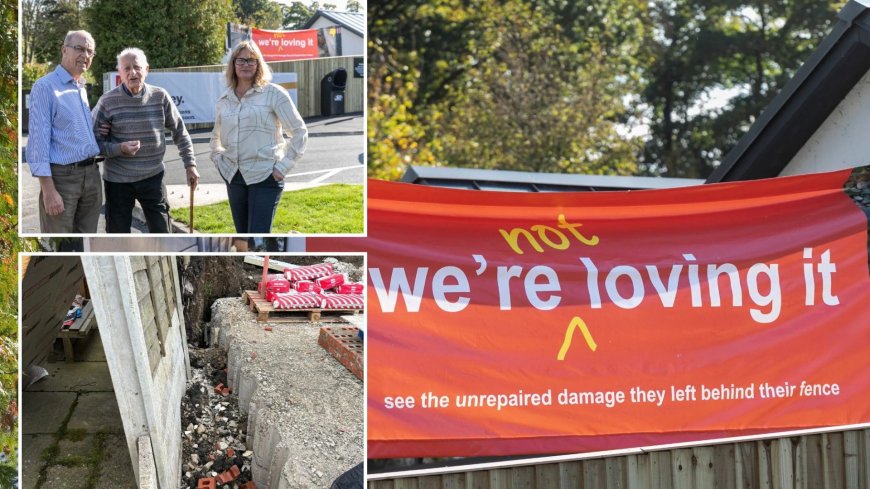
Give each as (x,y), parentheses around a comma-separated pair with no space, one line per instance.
(77,434)
(98,454)
(92,460)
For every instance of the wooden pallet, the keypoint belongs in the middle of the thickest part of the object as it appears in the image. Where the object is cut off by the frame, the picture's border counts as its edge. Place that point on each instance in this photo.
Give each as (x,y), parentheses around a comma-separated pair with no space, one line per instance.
(266,312)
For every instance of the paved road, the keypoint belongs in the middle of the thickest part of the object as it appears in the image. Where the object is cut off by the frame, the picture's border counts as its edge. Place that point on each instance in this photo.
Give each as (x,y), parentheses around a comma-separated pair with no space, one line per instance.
(335,154)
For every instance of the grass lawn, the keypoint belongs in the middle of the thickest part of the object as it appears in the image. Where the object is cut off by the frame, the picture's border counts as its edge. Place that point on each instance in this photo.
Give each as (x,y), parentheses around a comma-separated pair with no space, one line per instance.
(335,209)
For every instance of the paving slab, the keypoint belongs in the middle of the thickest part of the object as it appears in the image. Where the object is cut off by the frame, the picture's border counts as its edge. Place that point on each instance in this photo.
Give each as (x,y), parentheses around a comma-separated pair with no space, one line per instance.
(43,412)
(31,461)
(70,448)
(75,377)
(60,477)
(116,470)
(97,411)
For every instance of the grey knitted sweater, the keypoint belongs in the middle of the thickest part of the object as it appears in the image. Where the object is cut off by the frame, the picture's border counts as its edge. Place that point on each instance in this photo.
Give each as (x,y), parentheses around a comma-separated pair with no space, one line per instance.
(142,117)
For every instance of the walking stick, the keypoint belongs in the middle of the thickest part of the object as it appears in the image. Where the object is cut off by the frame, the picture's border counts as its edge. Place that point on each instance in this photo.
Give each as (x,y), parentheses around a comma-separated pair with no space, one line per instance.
(191,209)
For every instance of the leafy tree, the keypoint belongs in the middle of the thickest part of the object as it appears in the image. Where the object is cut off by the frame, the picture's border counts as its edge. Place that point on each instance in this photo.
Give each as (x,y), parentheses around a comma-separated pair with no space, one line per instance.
(354,6)
(198,31)
(264,14)
(416,49)
(9,242)
(557,85)
(297,13)
(44,26)
(537,101)
(701,47)
(502,84)
(32,13)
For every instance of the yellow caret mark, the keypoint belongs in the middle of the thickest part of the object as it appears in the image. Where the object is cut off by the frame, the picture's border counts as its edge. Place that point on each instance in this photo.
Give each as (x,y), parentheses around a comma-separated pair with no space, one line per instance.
(569,335)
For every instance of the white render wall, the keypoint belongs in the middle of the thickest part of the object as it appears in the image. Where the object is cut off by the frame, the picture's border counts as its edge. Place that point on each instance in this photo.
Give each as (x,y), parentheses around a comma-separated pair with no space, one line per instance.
(843,140)
(351,44)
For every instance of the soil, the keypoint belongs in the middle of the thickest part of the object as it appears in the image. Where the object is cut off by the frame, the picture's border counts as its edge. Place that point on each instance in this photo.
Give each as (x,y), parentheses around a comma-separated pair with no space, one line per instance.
(206,278)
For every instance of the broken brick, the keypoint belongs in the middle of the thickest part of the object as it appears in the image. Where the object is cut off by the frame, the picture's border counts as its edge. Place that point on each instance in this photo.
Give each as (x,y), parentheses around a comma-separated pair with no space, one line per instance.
(234,471)
(231,452)
(225,391)
(206,483)
(225,477)
(249,485)
(218,388)
(268,328)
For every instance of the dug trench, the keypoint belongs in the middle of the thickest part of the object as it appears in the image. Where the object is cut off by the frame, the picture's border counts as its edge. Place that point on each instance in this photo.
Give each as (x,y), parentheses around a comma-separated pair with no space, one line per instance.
(214,428)
(216,442)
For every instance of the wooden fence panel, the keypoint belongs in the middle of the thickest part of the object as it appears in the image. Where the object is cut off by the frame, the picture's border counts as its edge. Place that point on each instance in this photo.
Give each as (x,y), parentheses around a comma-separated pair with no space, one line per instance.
(547,475)
(725,466)
(570,475)
(477,480)
(595,474)
(835,460)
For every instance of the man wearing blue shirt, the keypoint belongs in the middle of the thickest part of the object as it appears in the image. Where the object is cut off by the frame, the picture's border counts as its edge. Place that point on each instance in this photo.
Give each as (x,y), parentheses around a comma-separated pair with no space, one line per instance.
(61,147)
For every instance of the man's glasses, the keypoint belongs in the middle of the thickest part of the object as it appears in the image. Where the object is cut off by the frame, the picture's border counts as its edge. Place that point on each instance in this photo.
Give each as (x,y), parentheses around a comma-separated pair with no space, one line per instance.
(83,50)
(246,61)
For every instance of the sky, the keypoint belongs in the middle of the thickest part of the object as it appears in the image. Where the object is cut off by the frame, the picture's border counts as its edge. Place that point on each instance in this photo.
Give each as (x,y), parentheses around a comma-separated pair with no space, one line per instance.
(341,4)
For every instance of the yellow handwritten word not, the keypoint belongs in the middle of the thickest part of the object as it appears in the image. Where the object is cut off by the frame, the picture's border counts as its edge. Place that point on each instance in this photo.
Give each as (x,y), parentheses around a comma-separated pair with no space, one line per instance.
(550,236)
(576,323)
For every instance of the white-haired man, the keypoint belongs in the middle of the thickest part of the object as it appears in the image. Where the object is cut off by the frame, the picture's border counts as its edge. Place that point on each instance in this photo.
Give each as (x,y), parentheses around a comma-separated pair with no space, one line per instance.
(136,115)
(61,149)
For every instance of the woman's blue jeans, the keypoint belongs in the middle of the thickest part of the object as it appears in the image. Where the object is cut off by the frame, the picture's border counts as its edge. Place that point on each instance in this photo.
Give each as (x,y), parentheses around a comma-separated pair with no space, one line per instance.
(253,206)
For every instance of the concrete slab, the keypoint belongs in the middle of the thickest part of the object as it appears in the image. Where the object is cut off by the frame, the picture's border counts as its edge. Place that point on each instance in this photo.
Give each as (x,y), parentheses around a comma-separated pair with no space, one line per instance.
(90,349)
(60,477)
(31,460)
(97,411)
(43,412)
(75,377)
(116,470)
(73,449)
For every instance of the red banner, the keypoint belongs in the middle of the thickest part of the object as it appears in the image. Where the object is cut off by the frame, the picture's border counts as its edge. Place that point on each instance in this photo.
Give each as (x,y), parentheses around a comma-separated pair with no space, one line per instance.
(517,323)
(286,45)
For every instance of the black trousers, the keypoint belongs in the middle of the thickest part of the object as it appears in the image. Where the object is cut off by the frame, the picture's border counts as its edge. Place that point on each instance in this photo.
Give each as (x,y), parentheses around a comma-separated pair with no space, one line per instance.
(122,197)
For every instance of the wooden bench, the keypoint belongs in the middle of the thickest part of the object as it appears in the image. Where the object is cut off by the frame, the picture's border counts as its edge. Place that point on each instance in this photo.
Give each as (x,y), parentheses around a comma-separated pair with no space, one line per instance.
(78,329)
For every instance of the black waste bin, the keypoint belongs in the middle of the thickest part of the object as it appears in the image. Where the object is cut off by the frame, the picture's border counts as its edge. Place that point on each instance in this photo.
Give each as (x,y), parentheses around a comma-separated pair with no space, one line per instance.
(332,92)
(25,114)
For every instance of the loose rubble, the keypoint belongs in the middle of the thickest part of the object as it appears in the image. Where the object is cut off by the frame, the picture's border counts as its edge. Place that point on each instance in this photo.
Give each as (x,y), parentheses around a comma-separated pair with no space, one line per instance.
(214,438)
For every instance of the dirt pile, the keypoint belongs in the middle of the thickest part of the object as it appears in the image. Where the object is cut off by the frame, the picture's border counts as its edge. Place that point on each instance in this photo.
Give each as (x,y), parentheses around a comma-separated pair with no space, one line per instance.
(206,278)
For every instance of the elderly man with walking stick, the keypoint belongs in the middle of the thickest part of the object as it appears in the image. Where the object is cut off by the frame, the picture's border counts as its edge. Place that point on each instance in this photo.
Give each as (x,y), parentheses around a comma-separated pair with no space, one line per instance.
(129,123)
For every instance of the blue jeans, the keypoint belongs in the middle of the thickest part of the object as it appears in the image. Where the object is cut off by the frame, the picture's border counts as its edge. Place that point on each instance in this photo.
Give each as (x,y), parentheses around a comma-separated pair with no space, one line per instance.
(253,206)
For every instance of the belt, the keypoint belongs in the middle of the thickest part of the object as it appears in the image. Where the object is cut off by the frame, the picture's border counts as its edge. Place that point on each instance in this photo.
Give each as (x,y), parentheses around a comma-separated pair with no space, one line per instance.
(85,162)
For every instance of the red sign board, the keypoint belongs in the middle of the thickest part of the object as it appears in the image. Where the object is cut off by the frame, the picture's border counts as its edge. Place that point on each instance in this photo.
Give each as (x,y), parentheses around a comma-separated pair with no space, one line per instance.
(286,45)
(516,323)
